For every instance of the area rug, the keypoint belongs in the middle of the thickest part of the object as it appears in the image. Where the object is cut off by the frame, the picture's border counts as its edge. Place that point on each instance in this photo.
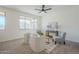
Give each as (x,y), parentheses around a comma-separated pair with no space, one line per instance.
(49,47)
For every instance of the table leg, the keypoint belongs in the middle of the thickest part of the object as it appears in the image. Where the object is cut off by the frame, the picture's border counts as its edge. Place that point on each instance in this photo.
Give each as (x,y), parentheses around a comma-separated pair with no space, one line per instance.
(48,41)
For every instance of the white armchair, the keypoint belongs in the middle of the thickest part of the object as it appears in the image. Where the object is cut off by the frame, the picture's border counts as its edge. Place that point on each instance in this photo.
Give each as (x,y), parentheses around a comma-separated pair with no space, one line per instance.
(60,38)
(36,42)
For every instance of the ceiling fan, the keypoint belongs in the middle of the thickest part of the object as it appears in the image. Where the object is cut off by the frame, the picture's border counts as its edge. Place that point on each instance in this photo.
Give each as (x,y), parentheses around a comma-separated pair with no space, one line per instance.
(43,9)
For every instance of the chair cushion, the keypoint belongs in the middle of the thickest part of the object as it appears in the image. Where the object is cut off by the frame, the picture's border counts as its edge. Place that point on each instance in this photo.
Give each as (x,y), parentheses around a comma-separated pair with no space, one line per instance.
(61,34)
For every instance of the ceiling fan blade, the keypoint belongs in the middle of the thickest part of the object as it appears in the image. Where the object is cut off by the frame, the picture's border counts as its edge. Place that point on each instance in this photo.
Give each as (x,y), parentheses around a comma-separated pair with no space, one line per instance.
(48,9)
(45,11)
(38,9)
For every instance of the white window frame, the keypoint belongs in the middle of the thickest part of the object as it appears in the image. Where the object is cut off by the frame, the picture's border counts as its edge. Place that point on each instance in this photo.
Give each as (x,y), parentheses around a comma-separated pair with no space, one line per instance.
(31,27)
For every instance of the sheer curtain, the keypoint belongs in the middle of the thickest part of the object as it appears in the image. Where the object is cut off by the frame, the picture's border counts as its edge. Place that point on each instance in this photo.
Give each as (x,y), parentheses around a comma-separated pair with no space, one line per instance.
(28,24)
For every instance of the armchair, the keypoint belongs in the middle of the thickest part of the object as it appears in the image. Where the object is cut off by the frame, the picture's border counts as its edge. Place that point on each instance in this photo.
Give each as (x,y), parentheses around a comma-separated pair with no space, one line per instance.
(60,38)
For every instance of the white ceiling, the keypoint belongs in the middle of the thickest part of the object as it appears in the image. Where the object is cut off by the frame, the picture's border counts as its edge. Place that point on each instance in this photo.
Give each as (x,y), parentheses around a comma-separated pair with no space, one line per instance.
(29,8)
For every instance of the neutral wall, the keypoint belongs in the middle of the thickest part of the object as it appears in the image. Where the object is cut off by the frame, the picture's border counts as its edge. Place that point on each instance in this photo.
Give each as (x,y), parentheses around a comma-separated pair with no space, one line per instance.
(12,30)
(68,19)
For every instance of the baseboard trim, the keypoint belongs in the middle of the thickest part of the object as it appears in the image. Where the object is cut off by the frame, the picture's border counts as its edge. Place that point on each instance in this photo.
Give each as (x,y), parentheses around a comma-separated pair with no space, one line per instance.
(12,39)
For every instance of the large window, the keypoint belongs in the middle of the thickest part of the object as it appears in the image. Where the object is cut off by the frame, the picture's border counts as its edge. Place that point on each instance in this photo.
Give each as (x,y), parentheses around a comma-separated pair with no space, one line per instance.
(2,20)
(28,23)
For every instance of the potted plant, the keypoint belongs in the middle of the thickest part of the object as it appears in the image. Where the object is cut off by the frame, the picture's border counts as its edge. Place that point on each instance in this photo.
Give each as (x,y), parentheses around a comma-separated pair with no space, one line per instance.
(40,33)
